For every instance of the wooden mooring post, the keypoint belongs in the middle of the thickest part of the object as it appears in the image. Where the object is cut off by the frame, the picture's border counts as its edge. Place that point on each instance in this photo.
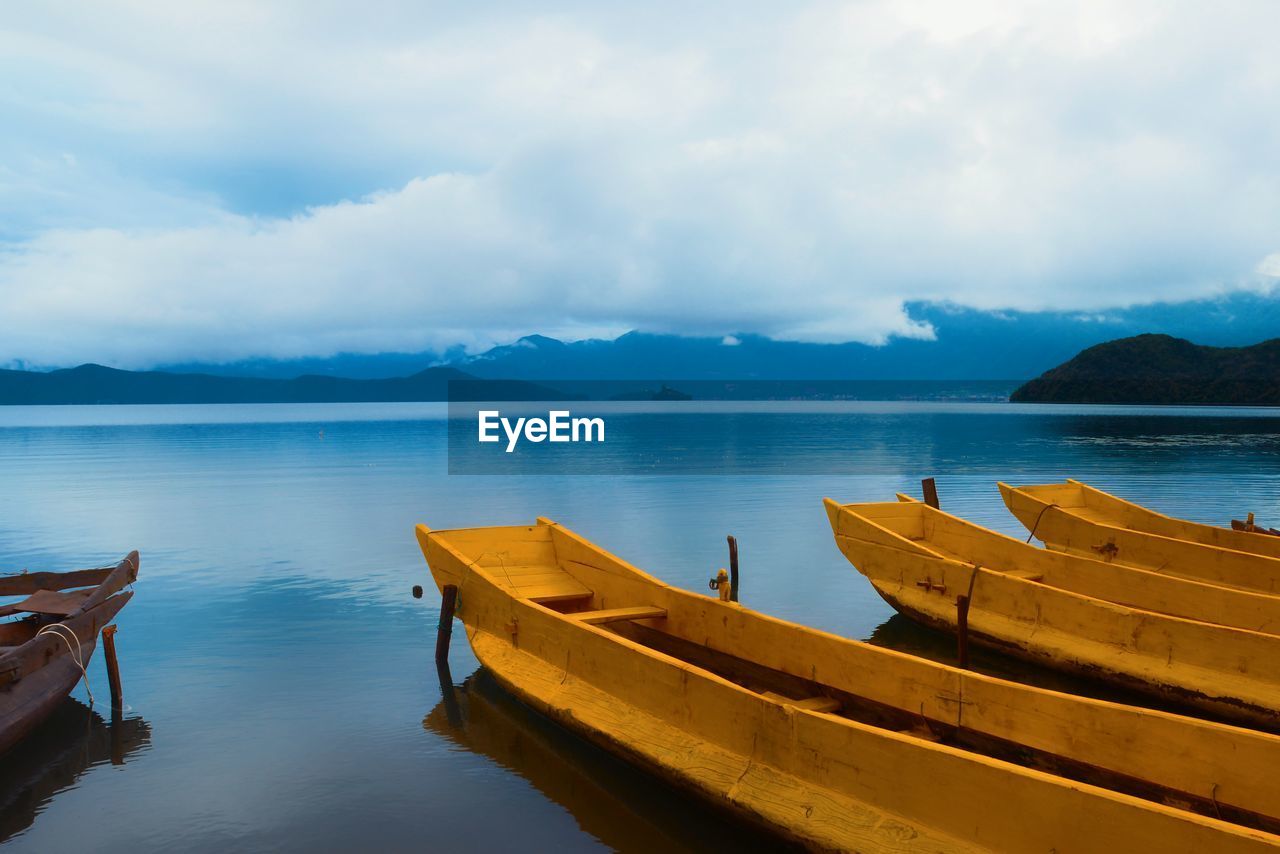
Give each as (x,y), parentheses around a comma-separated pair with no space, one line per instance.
(113,666)
(444,630)
(962,630)
(930,488)
(733,568)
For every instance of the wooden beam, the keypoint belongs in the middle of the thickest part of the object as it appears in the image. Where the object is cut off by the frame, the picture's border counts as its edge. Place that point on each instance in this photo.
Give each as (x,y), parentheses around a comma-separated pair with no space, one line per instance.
(613,615)
(812,704)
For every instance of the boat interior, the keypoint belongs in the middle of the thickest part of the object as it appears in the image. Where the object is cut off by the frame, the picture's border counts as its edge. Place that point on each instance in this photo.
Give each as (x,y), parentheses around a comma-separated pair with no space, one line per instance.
(946,536)
(1084,502)
(554,569)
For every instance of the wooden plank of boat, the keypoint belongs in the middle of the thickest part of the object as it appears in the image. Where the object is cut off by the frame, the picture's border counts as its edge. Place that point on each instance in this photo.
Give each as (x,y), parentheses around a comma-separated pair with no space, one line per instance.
(52,603)
(687,696)
(1230,672)
(613,615)
(1059,515)
(26,583)
(951,537)
(38,669)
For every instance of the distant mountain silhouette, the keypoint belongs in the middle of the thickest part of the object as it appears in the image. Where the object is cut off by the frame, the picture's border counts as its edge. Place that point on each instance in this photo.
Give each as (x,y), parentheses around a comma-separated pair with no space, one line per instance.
(89,384)
(969,344)
(1161,369)
(355,366)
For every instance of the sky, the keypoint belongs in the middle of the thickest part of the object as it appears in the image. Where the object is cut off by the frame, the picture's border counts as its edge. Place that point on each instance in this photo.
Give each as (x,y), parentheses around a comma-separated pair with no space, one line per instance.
(278,178)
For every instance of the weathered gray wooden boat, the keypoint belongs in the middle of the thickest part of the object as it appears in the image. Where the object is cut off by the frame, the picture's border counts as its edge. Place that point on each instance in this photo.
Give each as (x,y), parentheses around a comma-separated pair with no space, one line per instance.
(44,653)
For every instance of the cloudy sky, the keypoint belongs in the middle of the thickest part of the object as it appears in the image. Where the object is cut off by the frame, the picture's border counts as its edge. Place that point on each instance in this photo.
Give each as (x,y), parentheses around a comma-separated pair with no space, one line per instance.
(230,179)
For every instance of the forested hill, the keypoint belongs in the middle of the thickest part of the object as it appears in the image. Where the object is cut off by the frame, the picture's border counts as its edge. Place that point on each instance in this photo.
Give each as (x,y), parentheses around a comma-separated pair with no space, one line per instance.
(1161,369)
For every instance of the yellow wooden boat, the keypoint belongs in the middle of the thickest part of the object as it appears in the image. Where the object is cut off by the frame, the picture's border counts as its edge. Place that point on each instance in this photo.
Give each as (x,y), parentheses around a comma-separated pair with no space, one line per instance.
(1076,518)
(1028,602)
(1089,502)
(831,742)
(1194,599)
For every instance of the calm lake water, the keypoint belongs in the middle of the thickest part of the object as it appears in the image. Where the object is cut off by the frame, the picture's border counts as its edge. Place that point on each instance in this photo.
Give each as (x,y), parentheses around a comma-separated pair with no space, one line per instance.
(278,674)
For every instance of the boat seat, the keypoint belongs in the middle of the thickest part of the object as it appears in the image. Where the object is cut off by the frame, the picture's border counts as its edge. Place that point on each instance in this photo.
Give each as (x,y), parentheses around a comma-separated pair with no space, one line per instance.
(540,583)
(53,603)
(555,593)
(615,615)
(812,704)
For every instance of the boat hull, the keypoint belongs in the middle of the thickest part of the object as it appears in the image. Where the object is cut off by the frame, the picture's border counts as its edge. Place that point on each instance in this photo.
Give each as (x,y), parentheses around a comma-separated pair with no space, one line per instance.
(27,704)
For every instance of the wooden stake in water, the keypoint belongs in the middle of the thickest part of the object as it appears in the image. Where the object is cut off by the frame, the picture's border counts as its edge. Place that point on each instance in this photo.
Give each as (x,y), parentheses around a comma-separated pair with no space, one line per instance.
(113,666)
(444,631)
(733,568)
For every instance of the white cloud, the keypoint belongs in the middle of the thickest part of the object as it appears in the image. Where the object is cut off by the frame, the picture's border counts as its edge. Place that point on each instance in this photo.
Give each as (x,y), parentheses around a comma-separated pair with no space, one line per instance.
(1270,266)
(231,179)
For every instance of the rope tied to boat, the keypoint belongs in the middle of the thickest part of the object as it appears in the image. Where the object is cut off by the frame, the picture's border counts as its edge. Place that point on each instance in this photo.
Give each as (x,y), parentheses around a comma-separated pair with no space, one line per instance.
(1038,517)
(77,654)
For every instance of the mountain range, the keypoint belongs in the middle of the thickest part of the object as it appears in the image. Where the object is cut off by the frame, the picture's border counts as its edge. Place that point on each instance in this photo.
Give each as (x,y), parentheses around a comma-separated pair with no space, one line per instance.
(999,349)
(967,344)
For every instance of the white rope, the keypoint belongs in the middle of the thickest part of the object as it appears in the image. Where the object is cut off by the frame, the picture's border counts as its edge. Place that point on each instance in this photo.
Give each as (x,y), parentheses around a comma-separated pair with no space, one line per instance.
(77,655)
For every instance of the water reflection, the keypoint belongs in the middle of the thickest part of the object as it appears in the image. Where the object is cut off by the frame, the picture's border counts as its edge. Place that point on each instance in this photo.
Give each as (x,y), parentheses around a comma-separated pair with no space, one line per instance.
(619,805)
(54,757)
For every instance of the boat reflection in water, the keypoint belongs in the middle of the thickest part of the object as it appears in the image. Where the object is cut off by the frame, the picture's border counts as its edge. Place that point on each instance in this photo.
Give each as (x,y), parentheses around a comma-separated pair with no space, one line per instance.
(621,806)
(53,758)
